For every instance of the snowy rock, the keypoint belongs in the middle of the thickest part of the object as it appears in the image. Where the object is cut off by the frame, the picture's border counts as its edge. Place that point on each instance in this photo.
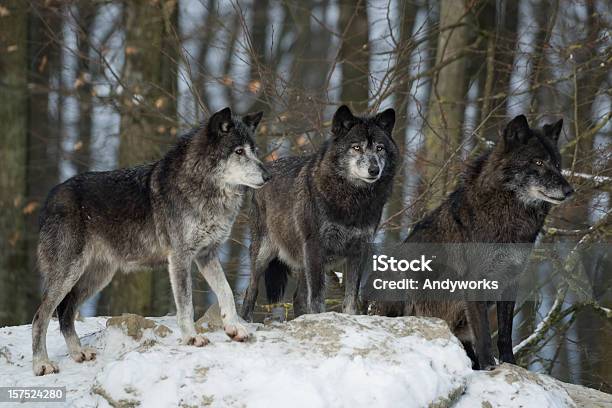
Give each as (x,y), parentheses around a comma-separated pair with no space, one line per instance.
(211,320)
(314,361)
(512,386)
(131,324)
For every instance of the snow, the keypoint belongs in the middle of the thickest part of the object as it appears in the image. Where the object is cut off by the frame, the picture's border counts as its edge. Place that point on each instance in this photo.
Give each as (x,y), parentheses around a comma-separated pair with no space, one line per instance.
(326,360)
(510,386)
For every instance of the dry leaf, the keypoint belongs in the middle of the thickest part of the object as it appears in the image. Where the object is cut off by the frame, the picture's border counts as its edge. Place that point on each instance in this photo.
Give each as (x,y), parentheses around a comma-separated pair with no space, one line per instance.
(160,102)
(4,11)
(30,207)
(78,146)
(79,82)
(130,50)
(14,238)
(227,80)
(12,48)
(43,63)
(255,86)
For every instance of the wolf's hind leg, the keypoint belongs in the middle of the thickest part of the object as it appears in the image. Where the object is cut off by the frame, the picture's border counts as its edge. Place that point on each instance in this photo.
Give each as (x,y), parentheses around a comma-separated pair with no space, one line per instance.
(469,350)
(179,266)
(213,273)
(57,287)
(261,254)
(299,297)
(95,278)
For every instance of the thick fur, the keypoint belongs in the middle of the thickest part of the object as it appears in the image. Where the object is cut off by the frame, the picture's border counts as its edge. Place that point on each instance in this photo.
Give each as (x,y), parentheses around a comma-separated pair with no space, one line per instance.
(169,211)
(504,197)
(322,209)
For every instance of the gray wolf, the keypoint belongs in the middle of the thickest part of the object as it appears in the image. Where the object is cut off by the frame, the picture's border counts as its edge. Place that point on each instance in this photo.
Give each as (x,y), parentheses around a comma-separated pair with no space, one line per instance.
(322,209)
(178,210)
(504,197)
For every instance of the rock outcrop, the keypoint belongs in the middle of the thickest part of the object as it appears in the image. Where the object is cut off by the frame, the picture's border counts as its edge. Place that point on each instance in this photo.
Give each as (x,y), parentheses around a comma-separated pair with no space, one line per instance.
(321,360)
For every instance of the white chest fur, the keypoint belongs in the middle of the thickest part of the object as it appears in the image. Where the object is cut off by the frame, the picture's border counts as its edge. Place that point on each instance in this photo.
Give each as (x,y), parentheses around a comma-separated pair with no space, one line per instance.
(211,223)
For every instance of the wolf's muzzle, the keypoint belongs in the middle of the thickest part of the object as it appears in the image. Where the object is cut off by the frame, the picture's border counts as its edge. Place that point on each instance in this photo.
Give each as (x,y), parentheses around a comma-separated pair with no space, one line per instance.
(373,170)
(265,174)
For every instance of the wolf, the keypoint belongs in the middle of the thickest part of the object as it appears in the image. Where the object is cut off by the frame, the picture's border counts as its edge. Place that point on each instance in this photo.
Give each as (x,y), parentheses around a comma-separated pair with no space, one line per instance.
(177,210)
(321,209)
(503,198)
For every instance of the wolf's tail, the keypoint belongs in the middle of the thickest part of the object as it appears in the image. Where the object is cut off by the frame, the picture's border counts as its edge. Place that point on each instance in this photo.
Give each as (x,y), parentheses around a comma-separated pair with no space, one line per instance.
(276,277)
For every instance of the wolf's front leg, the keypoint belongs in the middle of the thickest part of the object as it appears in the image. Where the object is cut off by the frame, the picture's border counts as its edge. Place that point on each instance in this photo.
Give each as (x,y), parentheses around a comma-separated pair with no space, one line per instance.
(505,315)
(314,277)
(211,269)
(477,314)
(180,279)
(355,267)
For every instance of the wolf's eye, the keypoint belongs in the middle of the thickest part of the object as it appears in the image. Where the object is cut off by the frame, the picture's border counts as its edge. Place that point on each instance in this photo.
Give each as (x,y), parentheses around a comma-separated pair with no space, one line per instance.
(239,151)
(380,148)
(539,162)
(357,148)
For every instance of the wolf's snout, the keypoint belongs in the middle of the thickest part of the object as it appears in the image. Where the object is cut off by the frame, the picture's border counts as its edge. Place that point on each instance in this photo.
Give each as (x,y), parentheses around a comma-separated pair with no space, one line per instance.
(373,170)
(567,190)
(265,175)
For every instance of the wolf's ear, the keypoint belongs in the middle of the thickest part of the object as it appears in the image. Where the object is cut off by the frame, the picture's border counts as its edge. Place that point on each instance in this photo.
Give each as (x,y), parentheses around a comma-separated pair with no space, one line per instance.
(517,131)
(252,120)
(221,121)
(386,120)
(554,130)
(343,120)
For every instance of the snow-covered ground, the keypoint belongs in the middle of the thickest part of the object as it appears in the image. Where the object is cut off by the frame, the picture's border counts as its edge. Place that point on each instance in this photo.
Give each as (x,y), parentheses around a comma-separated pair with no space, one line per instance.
(327,360)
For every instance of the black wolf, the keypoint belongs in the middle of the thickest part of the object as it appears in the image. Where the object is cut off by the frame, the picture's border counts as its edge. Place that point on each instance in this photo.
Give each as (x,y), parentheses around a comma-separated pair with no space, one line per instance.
(504,197)
(322,209)
(168,211)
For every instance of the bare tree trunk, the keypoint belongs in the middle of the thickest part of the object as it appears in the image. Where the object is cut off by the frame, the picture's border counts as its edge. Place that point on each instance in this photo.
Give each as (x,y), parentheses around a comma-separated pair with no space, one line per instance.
(147,126)
(205,44)
(44,129)
(545,13)
(407,11)
(355,53)
(499,24)
(82,155)
(258,66)
(309,69)
(443,130)
(582,157)
(13,139)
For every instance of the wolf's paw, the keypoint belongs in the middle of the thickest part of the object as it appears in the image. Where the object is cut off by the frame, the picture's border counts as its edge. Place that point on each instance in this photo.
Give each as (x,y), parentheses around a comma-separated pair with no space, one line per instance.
(197,340)
(45,367)
(350,308)
(489,367)
(84,354)
(236,331)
